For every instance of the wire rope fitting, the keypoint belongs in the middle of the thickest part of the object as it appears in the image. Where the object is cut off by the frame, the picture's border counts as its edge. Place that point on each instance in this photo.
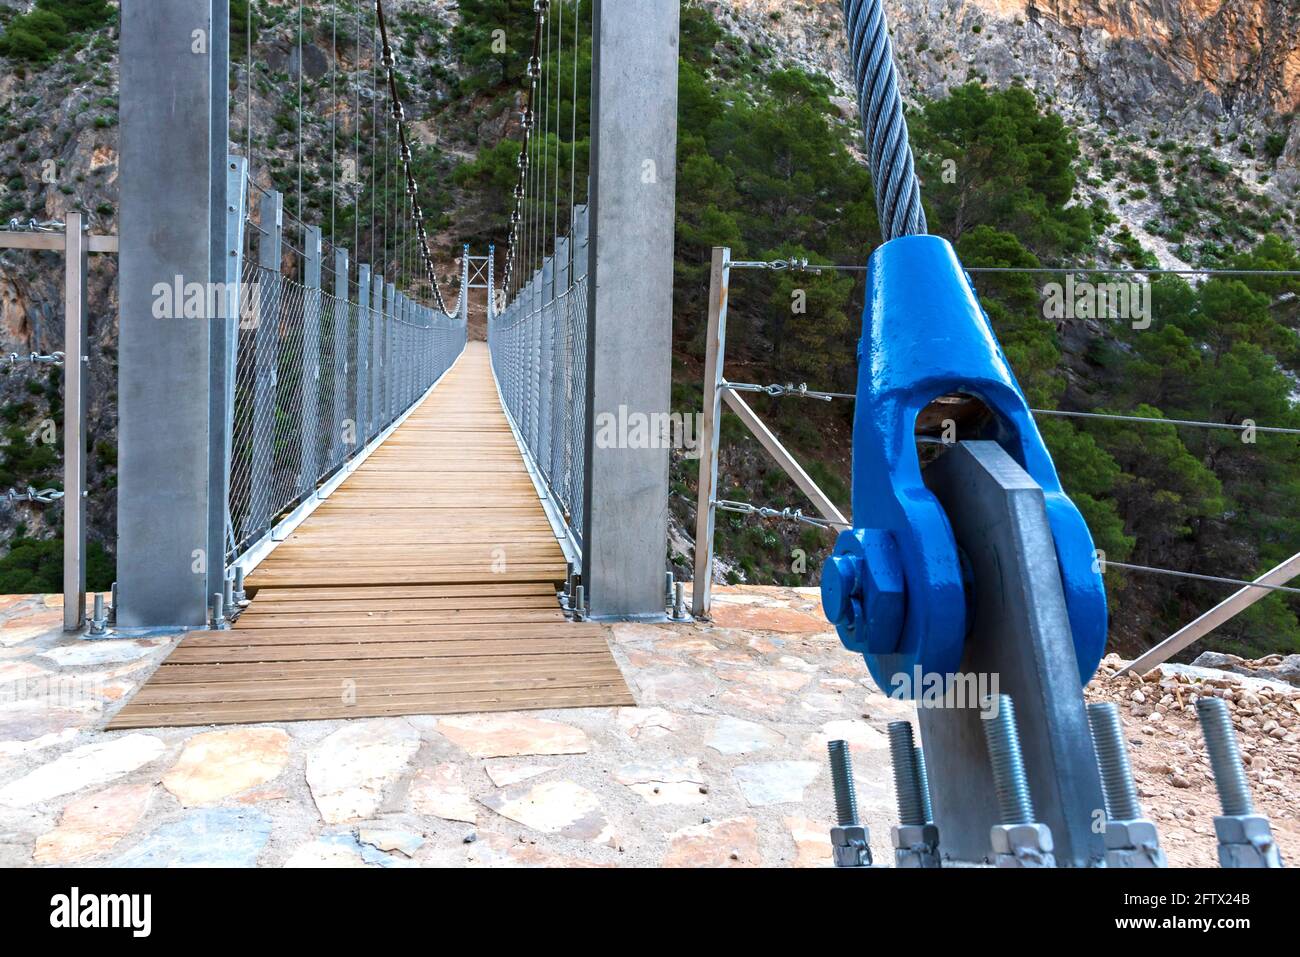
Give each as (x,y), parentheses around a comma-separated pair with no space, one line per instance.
(1018,839)
(1245,837)
(918,295)
(1131,839)
(915,838)
(850,840)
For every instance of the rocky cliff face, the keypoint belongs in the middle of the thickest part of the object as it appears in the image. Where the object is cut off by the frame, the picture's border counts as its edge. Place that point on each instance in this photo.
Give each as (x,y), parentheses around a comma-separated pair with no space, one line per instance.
(1181,61)
(1221,76)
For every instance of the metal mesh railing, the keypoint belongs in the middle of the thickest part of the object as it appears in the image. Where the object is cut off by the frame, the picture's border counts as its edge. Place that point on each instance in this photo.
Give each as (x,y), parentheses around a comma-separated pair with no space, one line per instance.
(317,377)
(539,356)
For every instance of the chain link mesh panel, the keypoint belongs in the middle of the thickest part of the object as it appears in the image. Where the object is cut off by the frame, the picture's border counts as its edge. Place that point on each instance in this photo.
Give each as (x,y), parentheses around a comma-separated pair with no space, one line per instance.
(308,364)
(539,357)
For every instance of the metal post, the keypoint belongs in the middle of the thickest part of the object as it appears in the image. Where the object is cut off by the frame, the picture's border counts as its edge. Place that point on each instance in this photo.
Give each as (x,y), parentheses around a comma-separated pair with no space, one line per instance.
(226,348)
(634,147)
(342,316)
(390,353)
(266,346)
(715,350)
(309,431)
(174,102)
(561,316)
(378,330)
(1020,638)
(545,367)
(361,414)
(76,331)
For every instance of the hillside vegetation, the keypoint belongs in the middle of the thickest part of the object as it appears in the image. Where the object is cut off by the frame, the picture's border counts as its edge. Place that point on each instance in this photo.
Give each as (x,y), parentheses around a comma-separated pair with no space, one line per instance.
(769,163)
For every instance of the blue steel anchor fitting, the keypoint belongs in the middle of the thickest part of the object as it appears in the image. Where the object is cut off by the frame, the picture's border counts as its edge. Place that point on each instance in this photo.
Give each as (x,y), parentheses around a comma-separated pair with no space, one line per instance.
(894,586)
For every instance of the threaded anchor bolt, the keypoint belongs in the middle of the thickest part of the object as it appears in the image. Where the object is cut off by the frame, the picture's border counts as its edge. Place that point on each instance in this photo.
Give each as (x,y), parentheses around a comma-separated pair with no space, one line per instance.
(679,602)
(98,618)
(112,609)
(907,788)
(846,797)
(218,612)
(1117,785)
(1225,758)
(923,782)
(1009,780)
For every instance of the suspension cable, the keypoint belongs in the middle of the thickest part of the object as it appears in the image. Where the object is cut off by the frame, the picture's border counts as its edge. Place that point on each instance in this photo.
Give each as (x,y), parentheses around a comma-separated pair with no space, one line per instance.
(1216,579)
(404,152)
(893,174)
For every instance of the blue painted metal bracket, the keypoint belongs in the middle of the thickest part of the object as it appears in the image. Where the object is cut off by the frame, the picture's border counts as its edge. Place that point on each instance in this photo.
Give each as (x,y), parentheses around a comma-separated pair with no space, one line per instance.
(894,586)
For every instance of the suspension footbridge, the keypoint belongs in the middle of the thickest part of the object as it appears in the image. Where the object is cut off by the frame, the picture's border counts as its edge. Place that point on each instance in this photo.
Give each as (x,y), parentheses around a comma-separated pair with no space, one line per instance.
(424,584)
(355,510)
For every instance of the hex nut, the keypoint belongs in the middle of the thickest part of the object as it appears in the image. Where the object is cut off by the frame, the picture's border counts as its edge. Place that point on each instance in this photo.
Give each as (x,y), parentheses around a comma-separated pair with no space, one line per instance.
(884,596)
(1246,840)
(1140,832)
(850,846)
(1242,829)
(908,836)
(1008,838)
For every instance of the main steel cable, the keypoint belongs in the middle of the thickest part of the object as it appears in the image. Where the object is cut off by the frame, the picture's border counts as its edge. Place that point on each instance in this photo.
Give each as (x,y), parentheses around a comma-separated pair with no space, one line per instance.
(893,172)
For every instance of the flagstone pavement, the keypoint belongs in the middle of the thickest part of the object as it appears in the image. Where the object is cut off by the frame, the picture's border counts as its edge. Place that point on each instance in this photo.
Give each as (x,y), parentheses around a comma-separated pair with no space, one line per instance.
(722,762)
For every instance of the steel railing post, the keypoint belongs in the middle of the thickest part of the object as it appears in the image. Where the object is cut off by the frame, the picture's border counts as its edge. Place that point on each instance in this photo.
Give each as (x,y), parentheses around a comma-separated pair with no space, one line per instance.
(390,352)
(266,339)
(76,332)
(560,319)
(378,329)
(543,358)
(361,413)
(342,319)
(309,434)
(715,348)
(224,364)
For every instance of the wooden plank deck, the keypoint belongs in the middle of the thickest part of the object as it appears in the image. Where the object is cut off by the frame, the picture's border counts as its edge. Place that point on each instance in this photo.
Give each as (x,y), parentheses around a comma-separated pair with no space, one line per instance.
(424,585)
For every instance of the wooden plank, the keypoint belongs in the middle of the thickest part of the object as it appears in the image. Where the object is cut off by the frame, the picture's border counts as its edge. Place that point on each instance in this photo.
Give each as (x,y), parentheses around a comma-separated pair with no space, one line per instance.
(454,665)
(307,688)
(408,591)
(487,647)
(329,605)
(609,696)
(443,631)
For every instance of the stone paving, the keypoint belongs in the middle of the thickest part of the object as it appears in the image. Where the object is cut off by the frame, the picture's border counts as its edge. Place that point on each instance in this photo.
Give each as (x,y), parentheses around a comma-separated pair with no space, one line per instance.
(722,763)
